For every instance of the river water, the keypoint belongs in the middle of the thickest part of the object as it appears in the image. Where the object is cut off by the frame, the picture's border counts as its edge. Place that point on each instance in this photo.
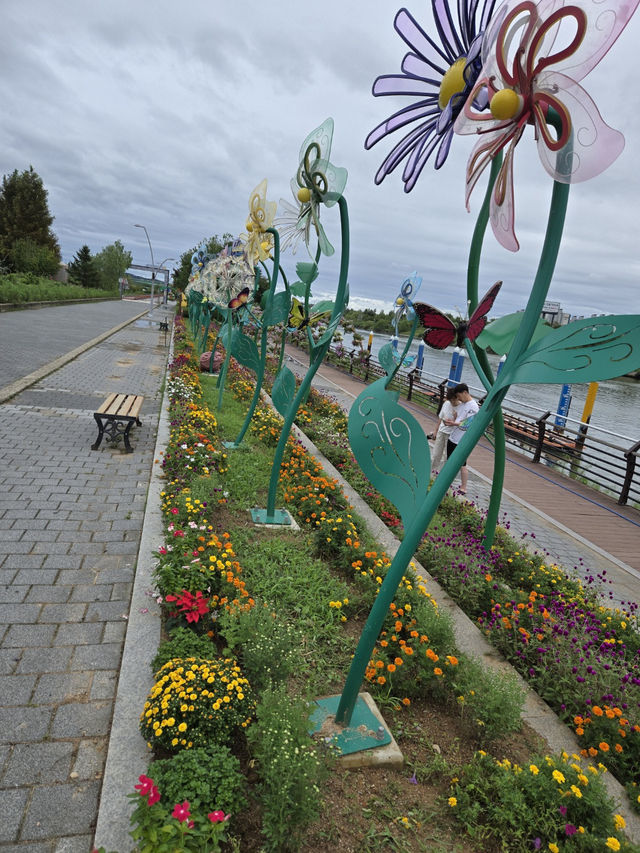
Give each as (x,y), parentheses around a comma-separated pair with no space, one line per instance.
(616,414)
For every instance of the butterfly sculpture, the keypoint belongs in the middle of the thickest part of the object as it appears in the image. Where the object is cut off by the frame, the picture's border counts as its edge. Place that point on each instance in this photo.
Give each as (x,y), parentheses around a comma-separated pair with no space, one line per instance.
(442,332)
(298,320)
(241,299)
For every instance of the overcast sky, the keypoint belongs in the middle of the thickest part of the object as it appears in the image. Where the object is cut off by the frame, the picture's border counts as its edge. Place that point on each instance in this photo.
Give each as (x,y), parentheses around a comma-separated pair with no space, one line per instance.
(169,114)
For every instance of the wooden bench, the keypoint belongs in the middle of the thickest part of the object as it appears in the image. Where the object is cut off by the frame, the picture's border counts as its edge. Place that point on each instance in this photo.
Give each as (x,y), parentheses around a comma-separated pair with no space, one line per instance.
(116,416)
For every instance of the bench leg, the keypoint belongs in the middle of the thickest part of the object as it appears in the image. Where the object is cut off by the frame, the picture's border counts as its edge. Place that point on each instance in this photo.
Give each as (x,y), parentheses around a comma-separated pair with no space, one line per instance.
(100,423)
(125,435)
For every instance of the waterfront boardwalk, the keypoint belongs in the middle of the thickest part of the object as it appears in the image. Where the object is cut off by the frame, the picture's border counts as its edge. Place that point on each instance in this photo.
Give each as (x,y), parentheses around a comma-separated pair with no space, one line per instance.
(70,525)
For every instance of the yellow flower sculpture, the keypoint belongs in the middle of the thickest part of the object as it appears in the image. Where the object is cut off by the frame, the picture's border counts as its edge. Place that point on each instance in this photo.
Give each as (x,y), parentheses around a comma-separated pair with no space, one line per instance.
(257,243)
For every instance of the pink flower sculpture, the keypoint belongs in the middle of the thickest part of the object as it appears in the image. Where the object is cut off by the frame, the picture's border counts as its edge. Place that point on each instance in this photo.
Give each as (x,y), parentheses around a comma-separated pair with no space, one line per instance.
(533,56)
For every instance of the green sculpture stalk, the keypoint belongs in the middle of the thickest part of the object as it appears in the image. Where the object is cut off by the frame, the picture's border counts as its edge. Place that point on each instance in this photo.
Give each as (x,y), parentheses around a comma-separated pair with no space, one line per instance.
(318,356)
(499,459)
(263,341)
(423,517)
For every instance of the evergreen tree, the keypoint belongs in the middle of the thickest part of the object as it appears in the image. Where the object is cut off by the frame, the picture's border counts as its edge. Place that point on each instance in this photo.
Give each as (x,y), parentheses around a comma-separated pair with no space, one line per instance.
(112,263)
(24,213)
(83,269)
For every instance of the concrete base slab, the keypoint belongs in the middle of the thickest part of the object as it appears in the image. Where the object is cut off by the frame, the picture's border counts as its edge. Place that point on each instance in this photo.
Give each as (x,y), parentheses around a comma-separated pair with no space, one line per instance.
(281,518)
(358,741)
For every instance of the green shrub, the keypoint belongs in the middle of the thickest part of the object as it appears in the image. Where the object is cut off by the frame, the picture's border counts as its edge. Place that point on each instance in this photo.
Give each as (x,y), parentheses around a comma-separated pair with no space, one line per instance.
(290,770)
(491,700)
(268,646)
(184,643)
(207,776)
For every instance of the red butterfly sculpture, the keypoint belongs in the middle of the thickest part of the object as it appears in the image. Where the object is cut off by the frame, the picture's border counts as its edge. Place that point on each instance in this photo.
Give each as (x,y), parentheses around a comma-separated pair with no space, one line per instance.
(442,332)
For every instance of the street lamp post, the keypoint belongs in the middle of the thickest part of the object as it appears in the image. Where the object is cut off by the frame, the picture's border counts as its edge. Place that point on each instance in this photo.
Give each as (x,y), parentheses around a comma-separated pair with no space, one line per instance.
(153,265)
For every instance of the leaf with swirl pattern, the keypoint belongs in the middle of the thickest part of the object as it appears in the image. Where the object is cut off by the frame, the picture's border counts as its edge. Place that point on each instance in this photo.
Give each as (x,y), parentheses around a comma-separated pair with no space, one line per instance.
(283,390)
(585,351)
(391,448)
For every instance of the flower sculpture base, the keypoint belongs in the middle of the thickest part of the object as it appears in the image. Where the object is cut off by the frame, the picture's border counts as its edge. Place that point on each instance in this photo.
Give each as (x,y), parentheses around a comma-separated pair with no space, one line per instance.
(365,742)
(280,517)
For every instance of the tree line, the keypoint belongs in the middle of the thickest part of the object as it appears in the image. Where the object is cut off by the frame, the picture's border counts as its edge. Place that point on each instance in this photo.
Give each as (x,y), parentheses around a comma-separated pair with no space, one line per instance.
(29,246)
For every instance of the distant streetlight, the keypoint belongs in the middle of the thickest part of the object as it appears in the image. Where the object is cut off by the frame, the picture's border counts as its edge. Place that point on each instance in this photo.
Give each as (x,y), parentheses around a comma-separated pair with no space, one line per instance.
(153,265)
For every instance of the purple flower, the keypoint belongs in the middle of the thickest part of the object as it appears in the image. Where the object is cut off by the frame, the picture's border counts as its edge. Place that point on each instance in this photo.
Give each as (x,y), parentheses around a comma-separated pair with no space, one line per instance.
(570,829)
(441,76)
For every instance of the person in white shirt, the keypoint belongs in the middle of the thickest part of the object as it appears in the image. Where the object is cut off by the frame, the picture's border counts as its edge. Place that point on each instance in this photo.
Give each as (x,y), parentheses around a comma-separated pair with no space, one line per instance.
(465,412)
(447,419)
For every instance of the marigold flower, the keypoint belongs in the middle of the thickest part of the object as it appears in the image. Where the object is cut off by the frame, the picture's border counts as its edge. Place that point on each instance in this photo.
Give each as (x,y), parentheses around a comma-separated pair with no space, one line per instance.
(613,843)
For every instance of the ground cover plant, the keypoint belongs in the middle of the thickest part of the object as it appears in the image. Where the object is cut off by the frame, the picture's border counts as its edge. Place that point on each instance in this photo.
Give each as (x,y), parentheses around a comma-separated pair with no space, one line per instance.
(276,614)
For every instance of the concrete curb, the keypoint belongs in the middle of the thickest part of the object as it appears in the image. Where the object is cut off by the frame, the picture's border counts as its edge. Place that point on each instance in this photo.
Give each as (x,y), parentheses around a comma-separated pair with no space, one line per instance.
(20,384)
(536,712)
(128,755)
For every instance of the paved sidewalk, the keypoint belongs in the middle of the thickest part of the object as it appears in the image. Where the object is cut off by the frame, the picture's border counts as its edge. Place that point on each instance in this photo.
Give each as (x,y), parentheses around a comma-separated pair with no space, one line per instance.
(70,525)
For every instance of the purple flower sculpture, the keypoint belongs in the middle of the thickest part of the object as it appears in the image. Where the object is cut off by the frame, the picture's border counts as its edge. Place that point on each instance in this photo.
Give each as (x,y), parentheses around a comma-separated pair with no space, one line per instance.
(441,75)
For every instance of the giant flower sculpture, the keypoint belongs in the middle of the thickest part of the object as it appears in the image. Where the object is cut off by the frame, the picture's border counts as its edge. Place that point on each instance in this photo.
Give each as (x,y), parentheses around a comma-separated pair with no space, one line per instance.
(258,243)
(441,76)
(223,279)
(291,224)
(318,183)
(530,79)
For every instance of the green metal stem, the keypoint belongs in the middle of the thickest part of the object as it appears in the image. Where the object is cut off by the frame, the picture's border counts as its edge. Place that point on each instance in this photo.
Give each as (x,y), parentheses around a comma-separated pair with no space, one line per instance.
(499,459)
(422,519)
(263,340)
(317,358)
(227,358)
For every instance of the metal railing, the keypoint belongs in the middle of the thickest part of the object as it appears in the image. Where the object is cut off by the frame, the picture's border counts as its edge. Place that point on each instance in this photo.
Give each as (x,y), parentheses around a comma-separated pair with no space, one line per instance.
(609,464)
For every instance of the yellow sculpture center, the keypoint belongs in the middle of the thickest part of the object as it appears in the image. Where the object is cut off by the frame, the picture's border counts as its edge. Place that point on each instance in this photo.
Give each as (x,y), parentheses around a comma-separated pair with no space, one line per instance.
(505,104)
(249,225)
(304,195)
(452,82)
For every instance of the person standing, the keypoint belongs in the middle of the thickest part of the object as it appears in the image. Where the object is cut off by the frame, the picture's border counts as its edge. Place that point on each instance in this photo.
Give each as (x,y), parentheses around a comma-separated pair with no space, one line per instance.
(446,422)
(466,411)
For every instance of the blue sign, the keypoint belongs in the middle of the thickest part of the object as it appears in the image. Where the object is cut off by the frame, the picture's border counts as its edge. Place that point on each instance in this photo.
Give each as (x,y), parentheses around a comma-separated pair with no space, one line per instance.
(563,406)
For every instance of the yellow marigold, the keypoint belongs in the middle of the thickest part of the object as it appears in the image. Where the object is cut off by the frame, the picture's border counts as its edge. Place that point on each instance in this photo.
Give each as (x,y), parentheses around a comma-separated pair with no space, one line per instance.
(619,822)
(554,847)
(613,843)
(558,776)
(453,802)
(533,769)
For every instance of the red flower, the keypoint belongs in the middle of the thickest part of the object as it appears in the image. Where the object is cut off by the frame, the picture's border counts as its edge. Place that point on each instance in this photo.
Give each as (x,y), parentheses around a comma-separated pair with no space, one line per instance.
(217,817)
(193,606)
(181,811)
(154,796)
(145,785)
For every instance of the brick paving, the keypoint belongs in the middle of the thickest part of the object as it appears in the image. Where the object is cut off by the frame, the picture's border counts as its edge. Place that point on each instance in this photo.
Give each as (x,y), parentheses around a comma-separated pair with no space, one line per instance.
(70,526)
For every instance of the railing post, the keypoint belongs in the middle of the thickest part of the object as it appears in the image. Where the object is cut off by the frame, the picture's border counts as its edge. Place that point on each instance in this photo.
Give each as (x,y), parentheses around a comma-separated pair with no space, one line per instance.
(542,428)
(441,388)
(351,361)
(630,456)
(411,380)
(366,372)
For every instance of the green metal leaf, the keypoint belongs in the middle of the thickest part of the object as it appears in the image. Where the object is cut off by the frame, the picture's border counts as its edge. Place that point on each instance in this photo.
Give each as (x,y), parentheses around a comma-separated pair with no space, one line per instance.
(307,272)
(278,311)
(298,288)
(244,350)
(386,359)
(391,448)
(499,334)
(585,351)
(284,390)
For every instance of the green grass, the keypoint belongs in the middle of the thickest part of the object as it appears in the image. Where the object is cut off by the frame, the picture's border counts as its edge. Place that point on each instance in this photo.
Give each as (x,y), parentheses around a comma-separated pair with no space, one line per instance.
(23,288)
